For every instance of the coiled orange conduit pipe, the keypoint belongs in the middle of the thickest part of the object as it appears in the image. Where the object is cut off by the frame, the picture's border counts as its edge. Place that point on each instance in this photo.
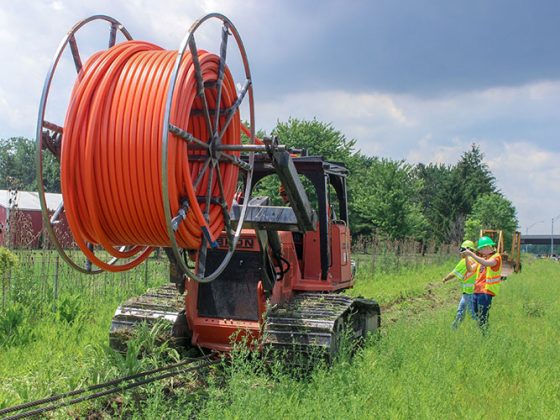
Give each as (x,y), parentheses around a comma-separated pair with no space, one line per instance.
(111,151)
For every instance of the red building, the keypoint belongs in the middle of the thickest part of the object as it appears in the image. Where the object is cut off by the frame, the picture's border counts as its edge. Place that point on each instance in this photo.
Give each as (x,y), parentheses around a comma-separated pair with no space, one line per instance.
(21,223)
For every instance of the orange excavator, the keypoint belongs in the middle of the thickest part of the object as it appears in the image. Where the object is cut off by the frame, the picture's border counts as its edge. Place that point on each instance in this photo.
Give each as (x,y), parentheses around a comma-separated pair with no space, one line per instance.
(283,285)
(152,155)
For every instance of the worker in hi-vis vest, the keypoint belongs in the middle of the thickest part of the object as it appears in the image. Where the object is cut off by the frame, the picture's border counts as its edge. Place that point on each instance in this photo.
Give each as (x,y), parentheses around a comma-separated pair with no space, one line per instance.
(467,278)
(488,278)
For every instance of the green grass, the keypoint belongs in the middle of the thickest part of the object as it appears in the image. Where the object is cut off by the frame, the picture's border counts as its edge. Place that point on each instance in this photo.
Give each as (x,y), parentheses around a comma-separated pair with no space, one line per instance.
(400,284)
(417,368)
(420,368)
(50,345)
(57,358)
(42,276)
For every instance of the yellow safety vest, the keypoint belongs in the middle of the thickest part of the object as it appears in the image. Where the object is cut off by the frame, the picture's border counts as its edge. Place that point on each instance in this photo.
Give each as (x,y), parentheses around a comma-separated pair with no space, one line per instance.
(493,277)
(468,282)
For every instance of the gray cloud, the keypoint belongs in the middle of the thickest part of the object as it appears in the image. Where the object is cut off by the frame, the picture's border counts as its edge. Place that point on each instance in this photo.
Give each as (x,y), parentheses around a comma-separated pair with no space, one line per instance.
(409,46)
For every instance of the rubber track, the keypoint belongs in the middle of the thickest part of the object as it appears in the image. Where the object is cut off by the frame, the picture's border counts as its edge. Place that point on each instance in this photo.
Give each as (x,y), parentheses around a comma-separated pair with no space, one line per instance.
(307,322)
(156,305)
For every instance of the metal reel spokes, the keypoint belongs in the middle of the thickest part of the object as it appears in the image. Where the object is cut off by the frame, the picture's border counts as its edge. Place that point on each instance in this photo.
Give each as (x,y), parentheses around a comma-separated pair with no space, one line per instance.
(49,136)
(215,159)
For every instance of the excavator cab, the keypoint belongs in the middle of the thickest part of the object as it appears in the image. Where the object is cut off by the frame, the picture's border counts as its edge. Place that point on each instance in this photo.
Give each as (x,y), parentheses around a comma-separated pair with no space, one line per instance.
(324,251)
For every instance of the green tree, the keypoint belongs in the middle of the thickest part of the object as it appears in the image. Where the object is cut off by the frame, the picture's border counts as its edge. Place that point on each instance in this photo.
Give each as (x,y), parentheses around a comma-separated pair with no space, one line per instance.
(492,211)
(17,166)
(382,194)
(318,138)
(393,197)
(449,193)
(322,139)
(386,196)
(16,172)
(472,178)
(435,198)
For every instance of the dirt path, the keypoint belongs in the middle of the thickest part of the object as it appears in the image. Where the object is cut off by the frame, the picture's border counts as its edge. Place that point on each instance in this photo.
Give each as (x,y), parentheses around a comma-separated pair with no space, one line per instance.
(435,295)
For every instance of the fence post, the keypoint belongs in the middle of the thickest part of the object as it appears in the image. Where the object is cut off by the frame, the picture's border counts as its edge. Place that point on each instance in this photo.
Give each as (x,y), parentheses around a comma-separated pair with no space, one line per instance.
(55,282)
(374,254)
(146,273)
(4,283)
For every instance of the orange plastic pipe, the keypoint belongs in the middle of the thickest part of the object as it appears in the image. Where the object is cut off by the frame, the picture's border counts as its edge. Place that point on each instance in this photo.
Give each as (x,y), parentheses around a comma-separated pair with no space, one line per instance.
(111,152)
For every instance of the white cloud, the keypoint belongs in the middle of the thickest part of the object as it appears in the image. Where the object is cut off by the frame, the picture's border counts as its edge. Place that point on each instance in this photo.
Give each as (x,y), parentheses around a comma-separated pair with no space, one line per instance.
(530,177)
(29,36)
(515,128)
(57,5)
(359,116)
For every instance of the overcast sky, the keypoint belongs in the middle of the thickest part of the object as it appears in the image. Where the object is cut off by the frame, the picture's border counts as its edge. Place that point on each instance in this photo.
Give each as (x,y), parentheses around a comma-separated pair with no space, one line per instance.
(414,80)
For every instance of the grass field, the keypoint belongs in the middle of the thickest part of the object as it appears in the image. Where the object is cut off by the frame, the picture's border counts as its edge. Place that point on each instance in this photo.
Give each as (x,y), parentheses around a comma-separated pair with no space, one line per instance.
(420,368)
(49,346)
(417,368)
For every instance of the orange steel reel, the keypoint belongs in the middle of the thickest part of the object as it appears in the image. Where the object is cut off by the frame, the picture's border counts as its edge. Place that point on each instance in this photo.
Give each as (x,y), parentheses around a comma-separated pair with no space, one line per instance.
(150,149)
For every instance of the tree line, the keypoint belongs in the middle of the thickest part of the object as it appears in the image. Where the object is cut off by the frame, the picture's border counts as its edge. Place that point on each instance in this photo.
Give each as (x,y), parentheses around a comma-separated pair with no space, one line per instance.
(17,166)
(387,197)
(398,200)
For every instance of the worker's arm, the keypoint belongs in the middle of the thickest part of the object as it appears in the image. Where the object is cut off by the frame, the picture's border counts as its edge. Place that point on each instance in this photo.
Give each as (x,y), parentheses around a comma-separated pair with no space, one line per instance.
(458,272)
(487,263)
(471,265)
(448,277)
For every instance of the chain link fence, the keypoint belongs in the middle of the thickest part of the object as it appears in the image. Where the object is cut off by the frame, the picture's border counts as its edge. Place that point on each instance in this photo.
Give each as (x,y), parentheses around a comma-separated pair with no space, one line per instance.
(380,255)
(42,276)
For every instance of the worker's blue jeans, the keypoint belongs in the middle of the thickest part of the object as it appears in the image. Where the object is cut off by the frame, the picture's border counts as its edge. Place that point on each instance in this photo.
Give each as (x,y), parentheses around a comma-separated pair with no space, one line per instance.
(482,304)
(466,304)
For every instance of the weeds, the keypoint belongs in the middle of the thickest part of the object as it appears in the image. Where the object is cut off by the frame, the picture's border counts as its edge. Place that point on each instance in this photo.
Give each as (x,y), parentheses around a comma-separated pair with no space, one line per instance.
(70,309)
(8,261)
(418,368)
(146,349)
(533,309)
(14,327)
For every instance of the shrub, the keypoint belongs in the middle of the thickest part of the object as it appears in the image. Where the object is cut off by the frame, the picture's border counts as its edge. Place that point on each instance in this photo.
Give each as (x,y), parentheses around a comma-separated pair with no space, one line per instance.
(8,260)
(14,327)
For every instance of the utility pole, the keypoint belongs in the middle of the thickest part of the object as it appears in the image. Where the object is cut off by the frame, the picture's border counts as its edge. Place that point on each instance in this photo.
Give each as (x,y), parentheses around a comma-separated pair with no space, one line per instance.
(552,235)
